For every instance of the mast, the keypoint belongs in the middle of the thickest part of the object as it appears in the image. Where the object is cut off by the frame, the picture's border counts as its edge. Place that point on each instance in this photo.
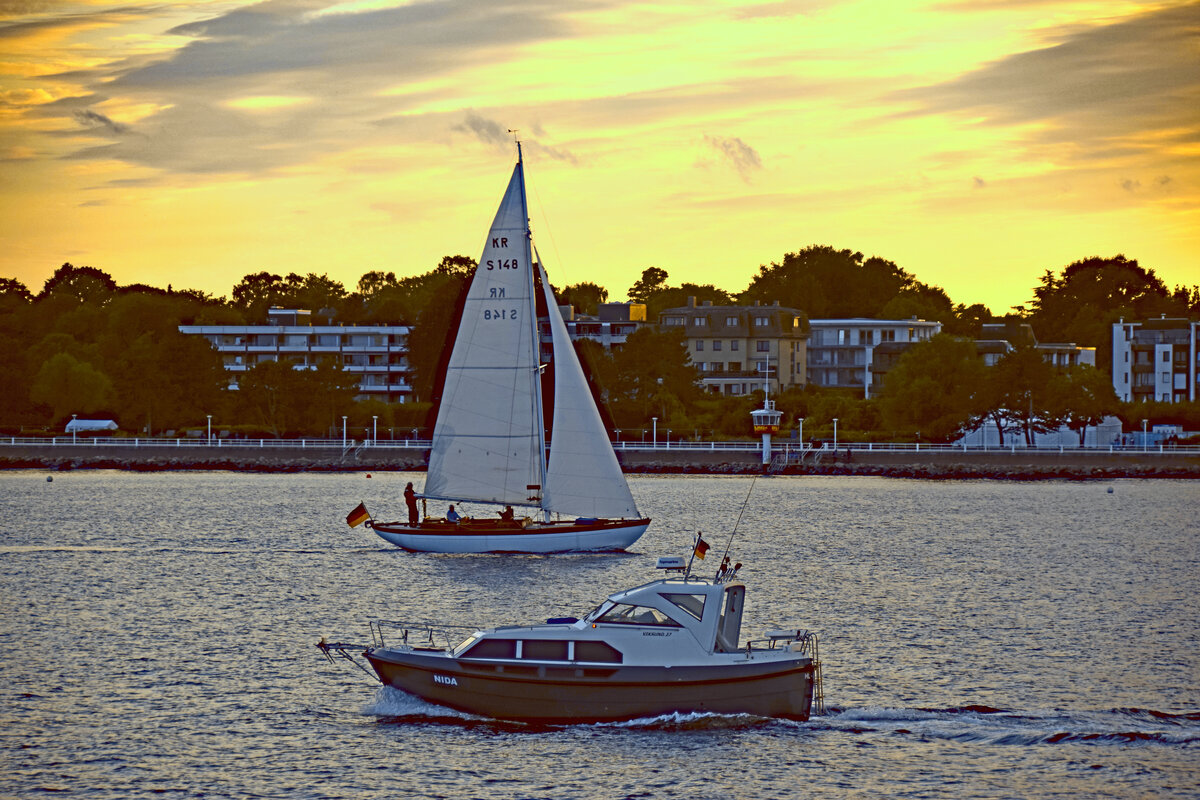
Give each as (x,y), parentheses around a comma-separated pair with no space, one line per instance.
(539,412)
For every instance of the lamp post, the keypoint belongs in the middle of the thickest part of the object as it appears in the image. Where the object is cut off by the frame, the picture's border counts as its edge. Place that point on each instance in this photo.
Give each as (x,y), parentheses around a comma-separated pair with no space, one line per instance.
(654,440)
(835,433)
(343,431)
(73,429)
(668,438)
(374,430)
(801,420)
(1144,443)
(209,428)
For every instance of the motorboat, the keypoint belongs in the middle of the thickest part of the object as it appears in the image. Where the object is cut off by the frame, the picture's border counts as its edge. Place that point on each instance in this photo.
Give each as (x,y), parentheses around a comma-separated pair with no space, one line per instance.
(489,441)
(668,646)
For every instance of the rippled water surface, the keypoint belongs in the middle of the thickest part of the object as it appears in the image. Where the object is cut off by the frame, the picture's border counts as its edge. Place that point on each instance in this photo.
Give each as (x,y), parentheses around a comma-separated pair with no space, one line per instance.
(979,640)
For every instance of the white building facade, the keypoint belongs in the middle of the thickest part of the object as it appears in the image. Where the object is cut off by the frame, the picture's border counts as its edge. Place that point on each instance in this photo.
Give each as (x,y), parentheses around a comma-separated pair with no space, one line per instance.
(377,354)
(1157,359)
(841,351)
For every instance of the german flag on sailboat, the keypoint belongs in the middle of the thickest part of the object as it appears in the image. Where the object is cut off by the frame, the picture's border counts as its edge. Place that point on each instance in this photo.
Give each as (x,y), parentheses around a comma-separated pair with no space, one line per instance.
(358,516)
(701,549)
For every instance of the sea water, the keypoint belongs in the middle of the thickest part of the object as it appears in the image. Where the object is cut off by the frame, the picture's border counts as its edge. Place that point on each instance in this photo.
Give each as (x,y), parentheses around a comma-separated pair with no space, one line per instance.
(980,639)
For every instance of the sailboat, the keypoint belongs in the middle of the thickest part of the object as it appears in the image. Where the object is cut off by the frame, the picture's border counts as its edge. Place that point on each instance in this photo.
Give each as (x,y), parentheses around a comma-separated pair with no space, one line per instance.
(489,443)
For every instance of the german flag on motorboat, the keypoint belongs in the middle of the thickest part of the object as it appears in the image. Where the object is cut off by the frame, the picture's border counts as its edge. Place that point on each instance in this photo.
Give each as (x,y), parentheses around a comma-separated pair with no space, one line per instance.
(701,549)
(358,516)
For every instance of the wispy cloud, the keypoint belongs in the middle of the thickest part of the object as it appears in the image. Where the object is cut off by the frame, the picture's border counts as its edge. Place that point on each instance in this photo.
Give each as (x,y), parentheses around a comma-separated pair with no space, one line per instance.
(1104,90)
(345,66)
(741,156)
(94,119)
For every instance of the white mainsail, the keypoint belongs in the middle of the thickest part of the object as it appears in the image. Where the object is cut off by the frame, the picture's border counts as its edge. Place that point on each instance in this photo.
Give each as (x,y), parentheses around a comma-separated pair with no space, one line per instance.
(583,477)
(488,442)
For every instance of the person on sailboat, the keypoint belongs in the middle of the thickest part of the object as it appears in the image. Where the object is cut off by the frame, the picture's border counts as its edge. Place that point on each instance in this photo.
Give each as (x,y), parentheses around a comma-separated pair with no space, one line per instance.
(507,514)
(452,515)
(410,497)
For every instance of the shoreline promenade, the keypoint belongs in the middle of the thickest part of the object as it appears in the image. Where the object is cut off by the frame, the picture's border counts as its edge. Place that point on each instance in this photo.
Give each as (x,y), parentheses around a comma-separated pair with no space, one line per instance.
(718,458)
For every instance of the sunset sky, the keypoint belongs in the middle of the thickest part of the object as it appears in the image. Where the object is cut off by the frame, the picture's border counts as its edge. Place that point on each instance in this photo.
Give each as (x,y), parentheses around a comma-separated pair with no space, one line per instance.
(976,143)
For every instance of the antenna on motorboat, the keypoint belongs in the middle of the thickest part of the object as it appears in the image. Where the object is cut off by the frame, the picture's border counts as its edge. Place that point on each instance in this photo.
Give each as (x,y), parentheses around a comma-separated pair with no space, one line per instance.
(699,548)
(725,556)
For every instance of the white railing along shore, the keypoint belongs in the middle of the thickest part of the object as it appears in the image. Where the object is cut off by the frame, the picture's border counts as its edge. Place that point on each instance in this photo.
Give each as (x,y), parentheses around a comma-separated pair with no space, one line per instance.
(785,447)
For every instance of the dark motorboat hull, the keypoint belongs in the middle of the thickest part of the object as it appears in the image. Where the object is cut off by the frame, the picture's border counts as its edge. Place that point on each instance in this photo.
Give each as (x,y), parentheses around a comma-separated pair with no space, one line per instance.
(499,536)
(571,694)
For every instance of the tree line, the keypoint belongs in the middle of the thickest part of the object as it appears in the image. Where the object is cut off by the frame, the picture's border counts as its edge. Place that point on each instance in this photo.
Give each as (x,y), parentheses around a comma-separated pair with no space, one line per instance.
(84,345)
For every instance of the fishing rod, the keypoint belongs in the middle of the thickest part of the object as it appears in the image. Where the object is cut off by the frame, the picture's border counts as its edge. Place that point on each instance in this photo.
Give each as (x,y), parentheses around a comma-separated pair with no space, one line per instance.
(725,571)
(721,570)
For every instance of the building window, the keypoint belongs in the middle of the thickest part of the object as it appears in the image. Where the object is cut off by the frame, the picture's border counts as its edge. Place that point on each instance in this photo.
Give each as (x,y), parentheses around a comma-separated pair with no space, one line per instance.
(763,347)
(733,345)
(761,322)
(673,320)
(716,345)
(699,322)
(699,345)
(732,322)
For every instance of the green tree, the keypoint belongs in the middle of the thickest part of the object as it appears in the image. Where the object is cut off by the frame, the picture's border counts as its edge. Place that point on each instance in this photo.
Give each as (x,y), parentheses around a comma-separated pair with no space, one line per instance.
(432,337)
(825,283)
(270,391)
(1017,390)
(968,321)
(655,378)
(82,284)
(70,386)
(328,394)
(13,289)
(585,297)
(257,292)
(321,295)
(1082,397)
(653,279)
(930,392)
(371,283)
(1082,303)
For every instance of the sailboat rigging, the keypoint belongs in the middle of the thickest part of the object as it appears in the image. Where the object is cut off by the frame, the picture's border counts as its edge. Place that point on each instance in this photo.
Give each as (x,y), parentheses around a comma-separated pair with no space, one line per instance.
(489,441)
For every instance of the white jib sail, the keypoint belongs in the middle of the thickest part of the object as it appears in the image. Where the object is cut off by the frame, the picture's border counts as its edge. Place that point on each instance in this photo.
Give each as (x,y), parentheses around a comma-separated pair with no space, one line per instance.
(583,477)
(487,442)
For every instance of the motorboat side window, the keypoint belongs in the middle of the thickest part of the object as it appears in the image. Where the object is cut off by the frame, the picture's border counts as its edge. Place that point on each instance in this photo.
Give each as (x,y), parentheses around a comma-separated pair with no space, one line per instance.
(544,649)
(691,603)
(493,648)
(601,652)
(626,614)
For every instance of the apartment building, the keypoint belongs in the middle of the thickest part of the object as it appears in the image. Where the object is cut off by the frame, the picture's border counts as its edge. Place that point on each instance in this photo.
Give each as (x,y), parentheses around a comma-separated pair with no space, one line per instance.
(998,339)
(610,326)
(842,352)
(378,354)
(1158,359)
(739,348)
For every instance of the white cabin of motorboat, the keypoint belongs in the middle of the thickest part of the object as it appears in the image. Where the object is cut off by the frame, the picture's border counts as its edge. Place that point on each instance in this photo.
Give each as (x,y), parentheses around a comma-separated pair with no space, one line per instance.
(672,621)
